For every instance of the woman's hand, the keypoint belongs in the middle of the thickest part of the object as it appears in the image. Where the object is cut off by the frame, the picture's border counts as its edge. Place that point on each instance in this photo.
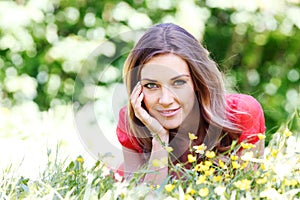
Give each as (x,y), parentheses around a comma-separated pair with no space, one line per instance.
(150,122)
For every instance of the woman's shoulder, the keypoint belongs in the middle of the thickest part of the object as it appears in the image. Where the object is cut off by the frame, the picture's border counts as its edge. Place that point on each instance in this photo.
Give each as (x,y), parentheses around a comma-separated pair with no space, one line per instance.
(247,113)
(242,101)
(124,135)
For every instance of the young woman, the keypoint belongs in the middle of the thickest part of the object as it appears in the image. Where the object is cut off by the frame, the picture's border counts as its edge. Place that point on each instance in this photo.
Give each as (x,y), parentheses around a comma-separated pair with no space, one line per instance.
(176,89)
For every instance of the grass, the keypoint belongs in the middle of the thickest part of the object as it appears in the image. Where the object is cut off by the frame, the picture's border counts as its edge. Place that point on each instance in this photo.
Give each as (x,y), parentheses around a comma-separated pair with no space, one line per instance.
(277,176)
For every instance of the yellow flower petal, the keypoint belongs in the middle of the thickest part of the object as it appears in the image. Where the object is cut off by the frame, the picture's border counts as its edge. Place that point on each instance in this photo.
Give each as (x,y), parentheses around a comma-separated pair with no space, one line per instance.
(261,136)
(169,149)
(169,187)
(209,172)
(222,164)
(247,145)
(234,157)
(192,136)
(235,165)
(287,132)
(190,191)
(201,179)
(80,160)
(217,178)
(261,181)
(208,163)
(200,148)
(243,184)
(191,158)
(210,154)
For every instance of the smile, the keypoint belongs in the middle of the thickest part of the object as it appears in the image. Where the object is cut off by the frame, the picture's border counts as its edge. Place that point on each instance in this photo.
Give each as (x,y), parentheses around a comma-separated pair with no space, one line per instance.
(169,112)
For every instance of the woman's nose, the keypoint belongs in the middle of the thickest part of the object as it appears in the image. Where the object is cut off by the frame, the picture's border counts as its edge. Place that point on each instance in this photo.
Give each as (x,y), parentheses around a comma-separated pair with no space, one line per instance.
(166,96)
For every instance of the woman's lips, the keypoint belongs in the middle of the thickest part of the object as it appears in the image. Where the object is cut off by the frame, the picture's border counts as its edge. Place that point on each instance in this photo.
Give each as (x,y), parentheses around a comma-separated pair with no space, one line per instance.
(169,112)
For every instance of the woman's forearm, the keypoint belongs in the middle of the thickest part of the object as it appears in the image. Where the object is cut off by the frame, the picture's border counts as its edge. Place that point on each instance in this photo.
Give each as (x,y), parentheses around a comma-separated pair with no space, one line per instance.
(158,162)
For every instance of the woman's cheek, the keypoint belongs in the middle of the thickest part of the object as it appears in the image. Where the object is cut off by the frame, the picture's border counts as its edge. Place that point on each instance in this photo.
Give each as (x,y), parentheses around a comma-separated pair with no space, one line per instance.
(148,100)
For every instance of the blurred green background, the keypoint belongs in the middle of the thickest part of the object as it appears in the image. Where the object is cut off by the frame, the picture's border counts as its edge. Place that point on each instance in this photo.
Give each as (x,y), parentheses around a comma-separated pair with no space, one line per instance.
(45,45)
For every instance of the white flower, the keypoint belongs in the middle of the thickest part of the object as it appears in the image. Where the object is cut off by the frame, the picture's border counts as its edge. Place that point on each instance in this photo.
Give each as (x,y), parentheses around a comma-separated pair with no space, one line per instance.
(220,190)
(247,156)
(118,177)
(271,193)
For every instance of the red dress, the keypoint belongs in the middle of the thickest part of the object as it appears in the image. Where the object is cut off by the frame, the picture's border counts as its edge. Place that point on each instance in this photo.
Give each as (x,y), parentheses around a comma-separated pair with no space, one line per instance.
(244,111)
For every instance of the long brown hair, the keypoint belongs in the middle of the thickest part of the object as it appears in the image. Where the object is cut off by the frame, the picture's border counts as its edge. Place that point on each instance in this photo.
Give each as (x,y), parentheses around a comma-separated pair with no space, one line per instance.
(206,77)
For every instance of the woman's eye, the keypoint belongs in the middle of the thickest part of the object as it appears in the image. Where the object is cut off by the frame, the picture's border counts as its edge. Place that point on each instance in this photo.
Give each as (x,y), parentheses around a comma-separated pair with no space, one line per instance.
(179,82)
(151,85)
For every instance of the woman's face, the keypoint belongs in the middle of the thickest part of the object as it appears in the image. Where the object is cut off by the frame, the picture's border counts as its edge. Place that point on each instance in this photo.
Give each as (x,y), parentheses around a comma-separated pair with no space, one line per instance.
(168,89)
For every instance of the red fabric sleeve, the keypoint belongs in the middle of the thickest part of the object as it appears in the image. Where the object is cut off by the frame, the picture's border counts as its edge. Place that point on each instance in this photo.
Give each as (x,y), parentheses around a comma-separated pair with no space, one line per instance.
(123,133)
(246,112)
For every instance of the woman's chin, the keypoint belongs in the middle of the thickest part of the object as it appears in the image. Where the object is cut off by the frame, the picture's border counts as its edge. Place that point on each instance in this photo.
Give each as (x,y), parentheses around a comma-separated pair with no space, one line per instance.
(171,125)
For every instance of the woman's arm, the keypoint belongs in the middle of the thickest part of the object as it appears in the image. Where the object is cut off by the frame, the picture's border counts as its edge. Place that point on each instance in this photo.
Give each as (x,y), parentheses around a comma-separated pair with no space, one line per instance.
(159,153)
(133,161)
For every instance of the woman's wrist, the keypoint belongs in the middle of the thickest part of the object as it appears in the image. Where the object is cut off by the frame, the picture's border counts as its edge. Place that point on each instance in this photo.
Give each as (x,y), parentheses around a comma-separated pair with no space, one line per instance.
(160,140)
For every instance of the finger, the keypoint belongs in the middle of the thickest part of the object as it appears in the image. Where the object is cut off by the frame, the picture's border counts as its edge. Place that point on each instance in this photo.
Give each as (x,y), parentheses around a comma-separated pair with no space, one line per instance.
(135,93)
(140,98)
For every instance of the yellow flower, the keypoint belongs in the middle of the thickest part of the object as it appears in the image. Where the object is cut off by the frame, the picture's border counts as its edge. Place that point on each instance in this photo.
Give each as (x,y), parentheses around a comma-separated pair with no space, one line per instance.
(227,177)
(192,136)
(203,168)
(263,166)
(203,192)
(247,145)
(210,154)
(208,163)
(201,179)
(243,184)
(261,136)
(71,172)
(197,167)
(220,190)
(244,165)
(169,149)
(222,165)
(274,152)
(154,186)
(190,191)
(217,178)
(169,187)
(188,197)
(209,172)
(234,157)
(191,158)
(200,148)
(235,165)
(287,132)
(80,160)
(292,182)
(261,181)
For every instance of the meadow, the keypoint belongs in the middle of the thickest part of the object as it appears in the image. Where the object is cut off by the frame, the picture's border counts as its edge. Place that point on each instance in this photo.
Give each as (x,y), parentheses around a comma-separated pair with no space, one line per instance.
(34,169)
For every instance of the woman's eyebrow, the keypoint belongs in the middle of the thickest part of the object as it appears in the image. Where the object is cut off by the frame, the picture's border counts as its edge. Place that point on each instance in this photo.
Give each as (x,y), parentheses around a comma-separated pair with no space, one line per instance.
(179,76)
(174,78)
(148,79)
